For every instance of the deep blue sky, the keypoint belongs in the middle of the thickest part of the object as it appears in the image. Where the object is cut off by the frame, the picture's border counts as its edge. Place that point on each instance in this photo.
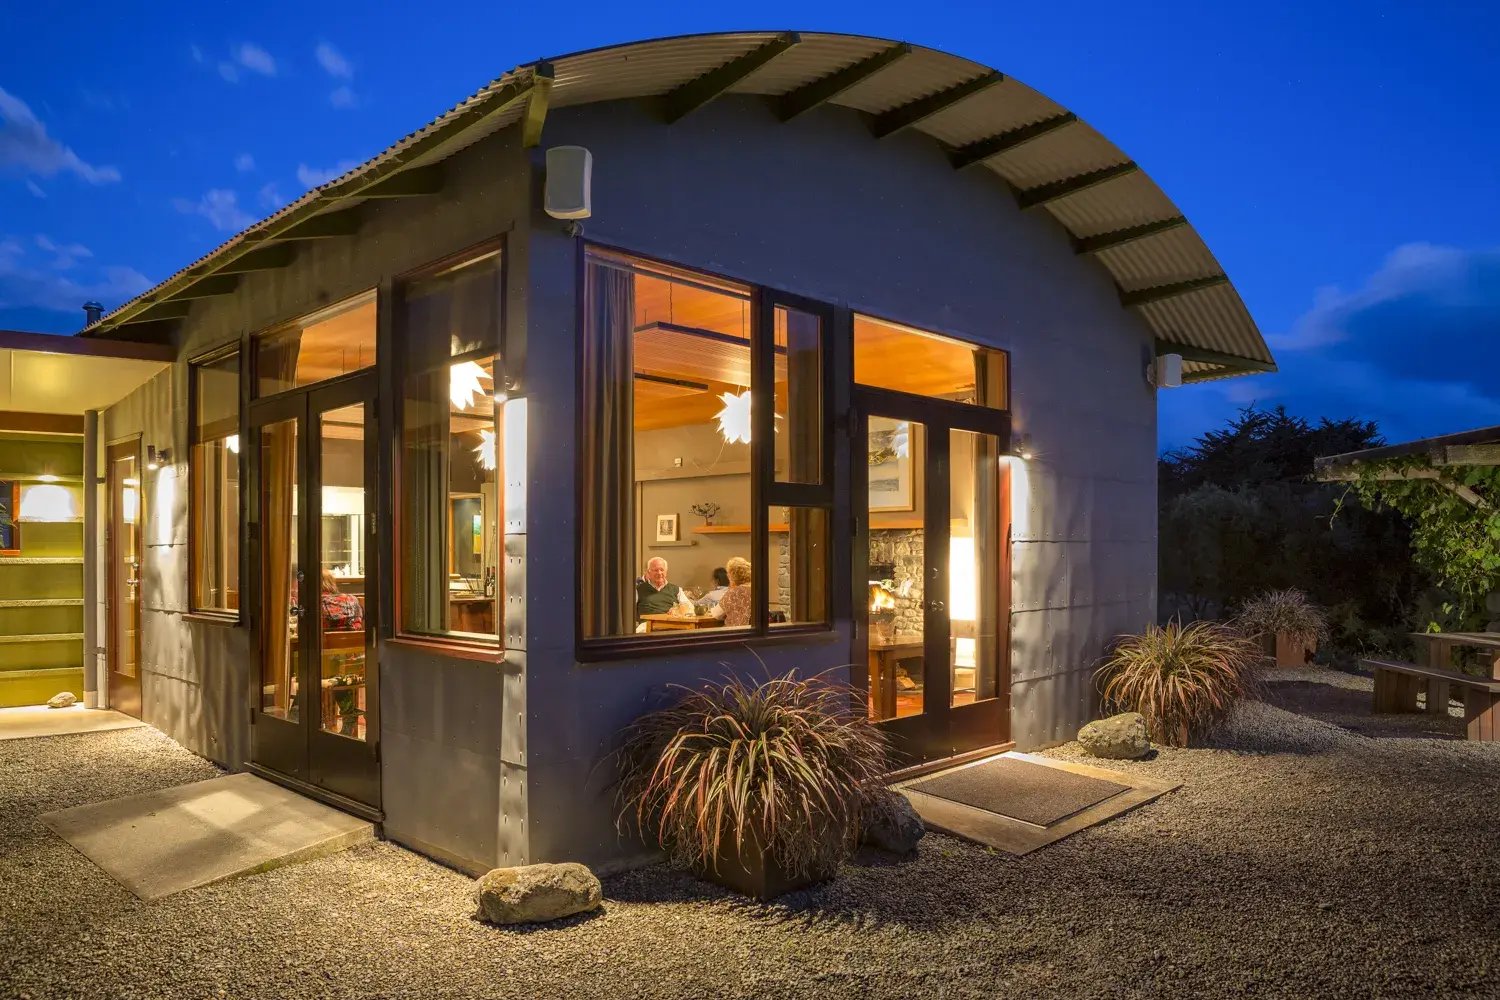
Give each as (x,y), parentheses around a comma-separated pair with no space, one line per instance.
(1342,159)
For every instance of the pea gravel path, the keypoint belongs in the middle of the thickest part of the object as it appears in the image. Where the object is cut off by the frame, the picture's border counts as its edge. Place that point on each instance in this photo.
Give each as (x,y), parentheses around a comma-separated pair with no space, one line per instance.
(1300,860)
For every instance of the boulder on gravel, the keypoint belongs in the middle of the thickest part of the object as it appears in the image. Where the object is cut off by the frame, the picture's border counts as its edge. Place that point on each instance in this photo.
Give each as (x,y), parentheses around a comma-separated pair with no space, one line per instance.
(891,824)
(63,699)
(534,893)
(1119,737)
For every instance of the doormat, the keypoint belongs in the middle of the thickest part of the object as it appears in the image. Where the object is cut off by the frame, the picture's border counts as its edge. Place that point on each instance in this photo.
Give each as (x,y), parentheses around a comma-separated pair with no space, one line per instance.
(1031,793)
(1026,801)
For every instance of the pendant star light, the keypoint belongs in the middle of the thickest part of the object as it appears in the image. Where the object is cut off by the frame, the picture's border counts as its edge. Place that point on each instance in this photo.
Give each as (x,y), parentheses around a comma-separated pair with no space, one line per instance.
(485,450)
(463,384)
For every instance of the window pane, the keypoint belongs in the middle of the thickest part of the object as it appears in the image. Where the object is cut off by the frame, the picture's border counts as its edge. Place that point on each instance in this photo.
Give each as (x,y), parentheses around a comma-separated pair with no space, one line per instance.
(666,465)
(451,501)
(799,396)
(891,356)
(977,635)
(325,345)
(281,594)
(341,572)
(215,472)
(798,560)
(216,524)
(898,568)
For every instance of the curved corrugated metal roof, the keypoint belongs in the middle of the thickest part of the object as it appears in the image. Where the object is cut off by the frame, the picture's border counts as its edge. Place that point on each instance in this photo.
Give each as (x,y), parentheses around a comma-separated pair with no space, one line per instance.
(1053,162)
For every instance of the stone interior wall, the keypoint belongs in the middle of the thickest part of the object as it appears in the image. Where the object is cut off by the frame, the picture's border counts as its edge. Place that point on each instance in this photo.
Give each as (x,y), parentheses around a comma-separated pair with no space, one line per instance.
(904,549)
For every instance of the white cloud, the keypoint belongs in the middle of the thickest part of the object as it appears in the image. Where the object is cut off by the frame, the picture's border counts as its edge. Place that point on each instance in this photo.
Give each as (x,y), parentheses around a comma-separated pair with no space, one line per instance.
(229,72)
(35,188)
(343,97)
(311,177)
(244,163)
(333,62)
(270,197)
(64,255)
(24,143)
(220,207)
(255,59)
(197,54)
(24,286)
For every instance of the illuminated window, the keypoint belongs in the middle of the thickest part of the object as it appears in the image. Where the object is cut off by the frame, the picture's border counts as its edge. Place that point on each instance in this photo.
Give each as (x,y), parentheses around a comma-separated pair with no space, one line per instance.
(452,451)
(215,470)
(324,345)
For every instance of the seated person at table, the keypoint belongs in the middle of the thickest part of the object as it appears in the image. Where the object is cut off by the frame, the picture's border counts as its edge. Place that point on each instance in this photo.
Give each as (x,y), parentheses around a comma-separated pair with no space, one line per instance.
(341,612)
(734,606)
(655,596)
(711,600)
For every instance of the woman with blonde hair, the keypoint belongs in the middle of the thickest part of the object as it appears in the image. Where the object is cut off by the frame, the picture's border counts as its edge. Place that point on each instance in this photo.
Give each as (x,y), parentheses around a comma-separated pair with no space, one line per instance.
(734,606)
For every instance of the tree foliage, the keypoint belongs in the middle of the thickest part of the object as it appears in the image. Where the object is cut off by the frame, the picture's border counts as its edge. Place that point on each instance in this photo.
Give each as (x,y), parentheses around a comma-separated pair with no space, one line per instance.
(1454,540)
(1241,514)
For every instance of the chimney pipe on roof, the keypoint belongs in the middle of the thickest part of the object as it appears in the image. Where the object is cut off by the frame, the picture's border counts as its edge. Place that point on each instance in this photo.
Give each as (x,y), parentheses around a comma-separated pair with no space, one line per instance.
(94,311)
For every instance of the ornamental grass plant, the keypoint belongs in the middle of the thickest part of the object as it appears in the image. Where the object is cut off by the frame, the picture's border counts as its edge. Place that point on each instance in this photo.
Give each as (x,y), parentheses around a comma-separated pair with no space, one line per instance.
(783,767)
(1284,612)
(1184,679)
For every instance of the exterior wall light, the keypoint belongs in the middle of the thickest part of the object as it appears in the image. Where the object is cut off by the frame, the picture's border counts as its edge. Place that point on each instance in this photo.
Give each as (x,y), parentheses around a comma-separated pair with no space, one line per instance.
(157,457)
(1021,447)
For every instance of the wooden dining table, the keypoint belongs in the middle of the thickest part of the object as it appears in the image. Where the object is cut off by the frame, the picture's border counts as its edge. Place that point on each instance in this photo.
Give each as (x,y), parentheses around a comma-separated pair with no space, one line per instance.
(1440,647)
(884,658)
(679,623)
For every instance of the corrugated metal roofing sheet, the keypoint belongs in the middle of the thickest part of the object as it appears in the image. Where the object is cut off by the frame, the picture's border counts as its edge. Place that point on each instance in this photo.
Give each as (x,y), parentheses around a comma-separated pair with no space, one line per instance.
(1212,320)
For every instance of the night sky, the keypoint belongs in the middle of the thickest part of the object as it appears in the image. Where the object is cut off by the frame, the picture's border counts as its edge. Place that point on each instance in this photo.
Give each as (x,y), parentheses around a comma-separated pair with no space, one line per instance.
(1342,159)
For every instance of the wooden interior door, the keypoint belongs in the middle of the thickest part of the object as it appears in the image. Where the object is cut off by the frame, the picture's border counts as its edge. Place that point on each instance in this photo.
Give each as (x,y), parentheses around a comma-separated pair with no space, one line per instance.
(126,516)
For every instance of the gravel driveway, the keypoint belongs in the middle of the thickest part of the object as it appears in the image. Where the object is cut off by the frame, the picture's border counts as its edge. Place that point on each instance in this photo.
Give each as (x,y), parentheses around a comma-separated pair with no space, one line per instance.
(1300,860)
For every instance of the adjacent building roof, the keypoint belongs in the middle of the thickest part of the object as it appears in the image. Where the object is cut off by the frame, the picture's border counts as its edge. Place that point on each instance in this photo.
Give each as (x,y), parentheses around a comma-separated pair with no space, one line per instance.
(1052,161)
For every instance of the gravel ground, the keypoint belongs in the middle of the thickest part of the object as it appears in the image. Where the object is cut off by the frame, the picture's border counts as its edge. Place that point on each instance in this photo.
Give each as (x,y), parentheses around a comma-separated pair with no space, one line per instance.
(1300,860)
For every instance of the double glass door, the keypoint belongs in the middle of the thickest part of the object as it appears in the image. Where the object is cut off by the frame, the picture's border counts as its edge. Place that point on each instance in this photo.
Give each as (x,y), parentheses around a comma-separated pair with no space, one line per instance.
(316,700)
(932,572)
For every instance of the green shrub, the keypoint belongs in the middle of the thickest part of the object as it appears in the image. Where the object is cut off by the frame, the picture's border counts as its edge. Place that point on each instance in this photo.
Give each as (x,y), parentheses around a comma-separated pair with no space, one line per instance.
(1185,679)
(1284,612)
(785,765)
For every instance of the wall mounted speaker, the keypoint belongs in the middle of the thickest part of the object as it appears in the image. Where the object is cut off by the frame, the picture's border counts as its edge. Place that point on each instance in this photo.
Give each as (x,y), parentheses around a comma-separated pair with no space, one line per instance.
(570,182)
(1169,371)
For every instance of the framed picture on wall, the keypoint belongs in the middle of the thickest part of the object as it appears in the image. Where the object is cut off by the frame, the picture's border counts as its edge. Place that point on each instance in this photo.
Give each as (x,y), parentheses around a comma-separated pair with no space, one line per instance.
(666,528)
(893,464)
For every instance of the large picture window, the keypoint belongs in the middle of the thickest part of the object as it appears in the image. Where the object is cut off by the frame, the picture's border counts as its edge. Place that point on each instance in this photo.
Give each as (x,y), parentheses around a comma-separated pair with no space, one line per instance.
(215,474)
(453,400)
(705,465)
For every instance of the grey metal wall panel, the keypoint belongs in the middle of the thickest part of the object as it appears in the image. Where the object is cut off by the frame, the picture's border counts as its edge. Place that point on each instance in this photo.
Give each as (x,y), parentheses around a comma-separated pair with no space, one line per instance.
(892,231)
(442,800)
(513,708)
(512,837)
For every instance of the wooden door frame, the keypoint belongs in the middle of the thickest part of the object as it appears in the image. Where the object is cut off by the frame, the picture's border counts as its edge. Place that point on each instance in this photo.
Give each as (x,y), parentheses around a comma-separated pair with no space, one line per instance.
(131,701)
(929,735)
(323,759)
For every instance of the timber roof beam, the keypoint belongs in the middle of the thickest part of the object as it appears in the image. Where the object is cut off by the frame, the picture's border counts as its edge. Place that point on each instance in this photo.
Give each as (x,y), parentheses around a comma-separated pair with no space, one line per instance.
(1124,237)
(1158,293)
(1043,194)
(918,111)
(677,104)
(811,95)
(978,152)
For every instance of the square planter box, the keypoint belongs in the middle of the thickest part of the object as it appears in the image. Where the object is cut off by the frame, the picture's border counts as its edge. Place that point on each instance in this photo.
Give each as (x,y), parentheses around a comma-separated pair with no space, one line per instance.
(754,873)
(1288,652)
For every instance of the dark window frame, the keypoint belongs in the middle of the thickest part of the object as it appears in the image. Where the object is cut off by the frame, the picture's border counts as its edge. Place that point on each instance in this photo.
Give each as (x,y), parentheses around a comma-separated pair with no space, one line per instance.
(215,354)
(446,643)
(765,492)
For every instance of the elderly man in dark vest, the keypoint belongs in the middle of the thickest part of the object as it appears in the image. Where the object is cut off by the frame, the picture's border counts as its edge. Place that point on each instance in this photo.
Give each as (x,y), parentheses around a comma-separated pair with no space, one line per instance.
(655,596)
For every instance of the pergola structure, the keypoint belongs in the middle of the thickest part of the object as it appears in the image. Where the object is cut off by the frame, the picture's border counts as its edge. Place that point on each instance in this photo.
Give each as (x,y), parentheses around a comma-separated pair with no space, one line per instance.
(1438,459)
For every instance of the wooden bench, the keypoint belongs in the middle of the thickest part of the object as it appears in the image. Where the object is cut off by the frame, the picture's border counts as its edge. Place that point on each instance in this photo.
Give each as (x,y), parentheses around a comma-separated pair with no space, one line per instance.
(1397,684)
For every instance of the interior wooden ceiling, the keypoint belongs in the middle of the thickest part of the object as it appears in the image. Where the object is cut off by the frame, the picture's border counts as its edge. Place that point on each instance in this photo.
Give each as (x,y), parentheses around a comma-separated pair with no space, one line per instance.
(339,342)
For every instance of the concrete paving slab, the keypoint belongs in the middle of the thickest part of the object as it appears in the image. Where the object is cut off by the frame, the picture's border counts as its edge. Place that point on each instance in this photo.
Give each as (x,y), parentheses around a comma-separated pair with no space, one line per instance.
(39,720)
(166,841)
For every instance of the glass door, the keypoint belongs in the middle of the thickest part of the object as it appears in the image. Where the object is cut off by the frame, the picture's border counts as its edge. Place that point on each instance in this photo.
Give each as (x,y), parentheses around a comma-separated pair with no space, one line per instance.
(931,573)
(316,713)
(123,649)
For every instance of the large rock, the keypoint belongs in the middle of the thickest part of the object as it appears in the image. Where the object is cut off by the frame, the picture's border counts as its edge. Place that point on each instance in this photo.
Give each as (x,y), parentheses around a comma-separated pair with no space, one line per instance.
(1119,737)
(534,893)
(63,699)
(891,824)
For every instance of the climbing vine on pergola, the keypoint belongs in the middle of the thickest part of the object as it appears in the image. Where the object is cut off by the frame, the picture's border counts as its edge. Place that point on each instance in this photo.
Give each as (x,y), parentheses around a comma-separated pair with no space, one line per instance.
(1454,511)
